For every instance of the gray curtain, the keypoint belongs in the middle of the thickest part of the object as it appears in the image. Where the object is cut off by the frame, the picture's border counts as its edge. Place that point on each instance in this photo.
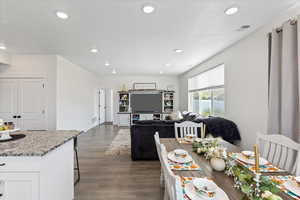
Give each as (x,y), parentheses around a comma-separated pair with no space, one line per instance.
(284,82)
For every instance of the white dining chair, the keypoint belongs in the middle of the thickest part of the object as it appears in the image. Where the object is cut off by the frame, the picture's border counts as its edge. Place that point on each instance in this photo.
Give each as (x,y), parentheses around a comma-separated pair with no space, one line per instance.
(188,128)
(281,151)
(158,148)
(173,188)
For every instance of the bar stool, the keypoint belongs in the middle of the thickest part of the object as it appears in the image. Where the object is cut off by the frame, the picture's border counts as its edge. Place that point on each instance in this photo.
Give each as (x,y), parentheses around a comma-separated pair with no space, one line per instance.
(77,162)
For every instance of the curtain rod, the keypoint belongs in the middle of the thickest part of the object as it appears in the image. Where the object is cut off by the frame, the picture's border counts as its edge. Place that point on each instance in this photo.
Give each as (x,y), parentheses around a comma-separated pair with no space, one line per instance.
(293,21)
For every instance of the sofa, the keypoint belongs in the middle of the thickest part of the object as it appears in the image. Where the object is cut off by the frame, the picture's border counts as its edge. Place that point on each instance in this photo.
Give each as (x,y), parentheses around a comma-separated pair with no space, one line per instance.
(142,133)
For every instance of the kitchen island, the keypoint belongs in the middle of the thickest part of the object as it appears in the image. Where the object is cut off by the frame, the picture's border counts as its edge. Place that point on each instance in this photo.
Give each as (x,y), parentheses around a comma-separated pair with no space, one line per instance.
(38,167)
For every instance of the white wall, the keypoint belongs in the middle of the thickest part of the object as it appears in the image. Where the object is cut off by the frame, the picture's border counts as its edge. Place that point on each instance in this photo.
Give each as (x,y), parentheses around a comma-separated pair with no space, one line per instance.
(76,96)
(115,82)
(36,66)
(246,80)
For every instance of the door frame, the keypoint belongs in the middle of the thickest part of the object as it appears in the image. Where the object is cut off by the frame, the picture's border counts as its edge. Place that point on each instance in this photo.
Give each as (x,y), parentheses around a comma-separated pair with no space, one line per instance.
(99,106)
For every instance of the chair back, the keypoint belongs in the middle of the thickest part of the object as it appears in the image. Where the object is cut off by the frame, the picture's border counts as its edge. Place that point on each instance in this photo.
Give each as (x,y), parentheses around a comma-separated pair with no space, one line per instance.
(280,151)
(172,182)
(158,145)
(188,128)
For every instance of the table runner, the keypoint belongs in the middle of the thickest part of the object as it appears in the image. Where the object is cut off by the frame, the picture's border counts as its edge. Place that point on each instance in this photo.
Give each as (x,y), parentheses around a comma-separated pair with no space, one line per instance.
(192,166)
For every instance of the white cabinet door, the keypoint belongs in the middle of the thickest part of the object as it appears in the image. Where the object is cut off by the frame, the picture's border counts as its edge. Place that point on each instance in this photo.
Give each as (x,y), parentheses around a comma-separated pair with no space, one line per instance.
(17,186)
(32,104)
(9,100)
(124,120)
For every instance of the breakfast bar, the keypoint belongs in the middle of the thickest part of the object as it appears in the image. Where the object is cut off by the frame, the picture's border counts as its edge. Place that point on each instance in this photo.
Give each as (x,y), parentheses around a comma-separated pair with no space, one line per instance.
(38,166)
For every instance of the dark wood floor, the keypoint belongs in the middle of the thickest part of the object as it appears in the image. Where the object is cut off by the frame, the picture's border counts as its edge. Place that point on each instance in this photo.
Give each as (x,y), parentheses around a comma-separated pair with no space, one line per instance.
(113,178)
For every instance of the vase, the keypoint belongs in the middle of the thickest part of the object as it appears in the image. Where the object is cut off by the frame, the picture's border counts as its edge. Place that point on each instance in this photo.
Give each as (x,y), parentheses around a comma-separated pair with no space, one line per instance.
(218,164)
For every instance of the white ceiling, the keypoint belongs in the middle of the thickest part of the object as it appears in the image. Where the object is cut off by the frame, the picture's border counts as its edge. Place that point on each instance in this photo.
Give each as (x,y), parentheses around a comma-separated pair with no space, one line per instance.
(133,42)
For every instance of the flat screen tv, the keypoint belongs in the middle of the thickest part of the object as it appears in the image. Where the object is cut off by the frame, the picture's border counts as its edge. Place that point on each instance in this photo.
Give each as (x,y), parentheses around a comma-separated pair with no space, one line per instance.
(146,103)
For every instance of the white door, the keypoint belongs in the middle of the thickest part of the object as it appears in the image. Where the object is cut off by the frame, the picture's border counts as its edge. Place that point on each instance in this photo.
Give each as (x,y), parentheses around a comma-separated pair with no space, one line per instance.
(17,186)
(102,108)
(32,104)
(22,101)
(9,100)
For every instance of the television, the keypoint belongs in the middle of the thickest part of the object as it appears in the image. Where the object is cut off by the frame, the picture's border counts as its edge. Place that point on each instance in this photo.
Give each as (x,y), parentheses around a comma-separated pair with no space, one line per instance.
(146,102)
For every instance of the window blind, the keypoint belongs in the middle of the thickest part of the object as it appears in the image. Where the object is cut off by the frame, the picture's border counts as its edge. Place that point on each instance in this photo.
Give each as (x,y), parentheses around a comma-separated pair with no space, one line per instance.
(211,78)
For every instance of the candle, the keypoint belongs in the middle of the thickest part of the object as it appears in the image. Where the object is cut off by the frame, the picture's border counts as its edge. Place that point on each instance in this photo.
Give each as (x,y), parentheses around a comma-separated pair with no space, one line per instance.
(256,154)
(203,128)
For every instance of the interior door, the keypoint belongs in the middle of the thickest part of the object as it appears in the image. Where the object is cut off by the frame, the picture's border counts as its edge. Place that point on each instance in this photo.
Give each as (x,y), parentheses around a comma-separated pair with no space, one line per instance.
(101,106)
(9,100)
(32,104)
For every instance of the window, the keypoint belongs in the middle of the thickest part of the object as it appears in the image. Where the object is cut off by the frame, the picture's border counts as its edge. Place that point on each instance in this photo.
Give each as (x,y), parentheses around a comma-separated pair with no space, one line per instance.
(206,92)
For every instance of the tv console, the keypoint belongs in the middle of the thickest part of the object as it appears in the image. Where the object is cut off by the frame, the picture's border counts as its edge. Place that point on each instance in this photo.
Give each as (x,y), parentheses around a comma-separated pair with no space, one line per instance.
(128,115)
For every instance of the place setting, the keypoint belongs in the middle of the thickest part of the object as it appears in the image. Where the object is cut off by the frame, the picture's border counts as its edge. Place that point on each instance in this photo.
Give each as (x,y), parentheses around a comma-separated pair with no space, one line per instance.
(290,185)
(247,160)
(201,189)
(180,159)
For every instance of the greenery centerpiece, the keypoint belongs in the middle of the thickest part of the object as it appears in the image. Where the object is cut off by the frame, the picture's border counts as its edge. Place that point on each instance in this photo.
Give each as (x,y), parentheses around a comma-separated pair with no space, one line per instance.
(206,146)
(252,184)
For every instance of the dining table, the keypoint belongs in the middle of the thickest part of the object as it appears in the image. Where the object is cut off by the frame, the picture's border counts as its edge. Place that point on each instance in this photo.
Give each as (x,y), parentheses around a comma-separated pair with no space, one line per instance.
(225,182)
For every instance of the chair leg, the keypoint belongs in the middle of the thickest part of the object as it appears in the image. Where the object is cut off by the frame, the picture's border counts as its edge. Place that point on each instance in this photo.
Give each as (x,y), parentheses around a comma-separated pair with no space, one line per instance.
(166,195)
(162,178)
(77,161)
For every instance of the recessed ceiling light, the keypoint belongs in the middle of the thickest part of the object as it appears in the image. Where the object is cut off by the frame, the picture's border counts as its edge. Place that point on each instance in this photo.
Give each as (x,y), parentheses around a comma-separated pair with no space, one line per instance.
(168,64)
(2,47)
(232,10)
(114,71)
(94,50)
(178,50)
(148,8)
(161,72)
(107,63)
(62,15)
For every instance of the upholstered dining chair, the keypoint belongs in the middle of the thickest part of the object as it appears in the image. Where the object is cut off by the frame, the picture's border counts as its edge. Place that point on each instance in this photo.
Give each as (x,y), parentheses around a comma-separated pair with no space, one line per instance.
(158,148)
(188,128)
(173,188)
(281,151)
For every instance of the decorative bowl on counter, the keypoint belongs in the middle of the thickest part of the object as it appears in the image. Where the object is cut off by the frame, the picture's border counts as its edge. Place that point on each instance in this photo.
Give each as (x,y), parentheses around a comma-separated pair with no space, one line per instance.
(5,135)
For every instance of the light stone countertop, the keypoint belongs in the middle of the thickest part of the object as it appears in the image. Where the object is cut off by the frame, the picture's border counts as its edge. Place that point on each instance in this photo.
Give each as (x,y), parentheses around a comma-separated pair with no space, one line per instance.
(36,143)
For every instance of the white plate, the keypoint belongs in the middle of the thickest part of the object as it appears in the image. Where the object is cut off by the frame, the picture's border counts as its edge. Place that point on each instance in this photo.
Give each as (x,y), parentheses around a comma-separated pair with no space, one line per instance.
(180,152)
(191,192)
(292,186)
(242,158)
(205,184)
(172,157)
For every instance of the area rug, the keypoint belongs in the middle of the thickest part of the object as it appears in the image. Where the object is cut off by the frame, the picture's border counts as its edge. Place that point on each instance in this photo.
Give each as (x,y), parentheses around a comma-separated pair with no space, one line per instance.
(121,144)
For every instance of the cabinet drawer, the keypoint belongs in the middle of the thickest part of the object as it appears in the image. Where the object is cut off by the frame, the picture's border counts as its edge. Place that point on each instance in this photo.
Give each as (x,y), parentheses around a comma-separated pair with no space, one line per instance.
(20,164)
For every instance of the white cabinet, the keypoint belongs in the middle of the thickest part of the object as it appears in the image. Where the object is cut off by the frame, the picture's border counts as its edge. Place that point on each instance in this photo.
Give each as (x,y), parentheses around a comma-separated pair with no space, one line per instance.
(123,119)
(23,186)
(48,177)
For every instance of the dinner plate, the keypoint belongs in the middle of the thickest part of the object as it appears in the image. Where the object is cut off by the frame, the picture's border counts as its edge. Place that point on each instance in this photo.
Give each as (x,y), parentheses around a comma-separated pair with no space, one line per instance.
(172,157)
(242,158)
(292,186)
(191,192)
